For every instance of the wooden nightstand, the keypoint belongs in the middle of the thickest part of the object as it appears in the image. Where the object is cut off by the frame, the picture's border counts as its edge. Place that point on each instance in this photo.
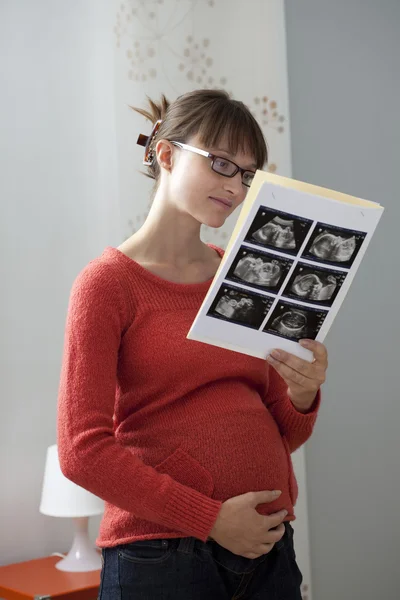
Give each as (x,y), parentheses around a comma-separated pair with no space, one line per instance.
(39,580)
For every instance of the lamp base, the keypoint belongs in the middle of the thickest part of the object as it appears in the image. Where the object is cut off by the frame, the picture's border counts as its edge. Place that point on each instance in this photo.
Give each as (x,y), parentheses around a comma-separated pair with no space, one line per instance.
(83,556)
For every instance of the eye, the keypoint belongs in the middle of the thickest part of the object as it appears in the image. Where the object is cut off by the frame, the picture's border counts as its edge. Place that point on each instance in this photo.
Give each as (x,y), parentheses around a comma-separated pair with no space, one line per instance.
(220,163)
(223,165)
(248,177)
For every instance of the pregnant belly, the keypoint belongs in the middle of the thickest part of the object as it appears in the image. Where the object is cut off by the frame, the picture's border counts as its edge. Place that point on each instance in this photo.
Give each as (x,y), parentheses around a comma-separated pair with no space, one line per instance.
(229,447)
(244,452)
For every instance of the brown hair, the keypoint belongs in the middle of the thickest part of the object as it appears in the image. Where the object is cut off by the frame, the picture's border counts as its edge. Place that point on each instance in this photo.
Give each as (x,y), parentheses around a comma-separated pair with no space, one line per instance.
(210,114)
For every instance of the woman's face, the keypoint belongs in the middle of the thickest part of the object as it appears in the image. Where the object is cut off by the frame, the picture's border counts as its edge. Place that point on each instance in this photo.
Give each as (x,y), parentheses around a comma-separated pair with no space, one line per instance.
(197,190)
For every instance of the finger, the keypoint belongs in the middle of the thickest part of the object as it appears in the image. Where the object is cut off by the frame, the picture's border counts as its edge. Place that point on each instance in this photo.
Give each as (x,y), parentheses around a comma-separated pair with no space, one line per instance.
(319,350)
(275,519)
(263,549)
(274,535)
(280,530)
(256,498)
(288,374)
(250,555)
(297,364)
(254,555)
(293,377)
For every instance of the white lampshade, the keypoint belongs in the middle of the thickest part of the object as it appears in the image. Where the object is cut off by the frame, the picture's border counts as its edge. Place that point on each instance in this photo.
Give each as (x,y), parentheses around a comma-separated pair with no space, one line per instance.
(63,498)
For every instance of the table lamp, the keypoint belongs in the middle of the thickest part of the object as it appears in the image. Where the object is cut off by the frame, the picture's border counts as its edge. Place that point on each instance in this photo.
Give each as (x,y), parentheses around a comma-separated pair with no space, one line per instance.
(63,498)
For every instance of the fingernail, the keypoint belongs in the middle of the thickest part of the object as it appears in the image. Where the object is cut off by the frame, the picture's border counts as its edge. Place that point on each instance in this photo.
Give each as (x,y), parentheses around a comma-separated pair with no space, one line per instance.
(276,353)
(270,358)
(277,493)
(285,512)
(305,343)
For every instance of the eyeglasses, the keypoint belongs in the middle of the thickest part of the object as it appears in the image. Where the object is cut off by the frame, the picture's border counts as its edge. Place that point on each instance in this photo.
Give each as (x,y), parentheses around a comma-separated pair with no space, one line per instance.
(221,165)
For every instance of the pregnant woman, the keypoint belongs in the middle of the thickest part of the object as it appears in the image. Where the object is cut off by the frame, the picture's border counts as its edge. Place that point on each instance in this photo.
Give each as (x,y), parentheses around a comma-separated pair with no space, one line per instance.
(188,444)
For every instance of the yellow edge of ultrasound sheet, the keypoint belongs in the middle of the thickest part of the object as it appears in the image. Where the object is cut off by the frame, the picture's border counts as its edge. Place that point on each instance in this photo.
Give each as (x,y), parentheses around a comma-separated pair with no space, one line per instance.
(315,190)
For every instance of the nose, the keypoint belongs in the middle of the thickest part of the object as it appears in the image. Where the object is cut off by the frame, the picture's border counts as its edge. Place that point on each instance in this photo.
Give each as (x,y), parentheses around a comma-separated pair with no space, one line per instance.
(234,186)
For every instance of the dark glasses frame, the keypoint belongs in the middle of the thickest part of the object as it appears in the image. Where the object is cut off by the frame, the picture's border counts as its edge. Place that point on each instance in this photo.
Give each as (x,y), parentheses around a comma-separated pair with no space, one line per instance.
(213,158)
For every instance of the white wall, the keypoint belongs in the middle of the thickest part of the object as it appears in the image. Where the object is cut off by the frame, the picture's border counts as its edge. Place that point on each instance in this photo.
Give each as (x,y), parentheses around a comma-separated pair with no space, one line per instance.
(344,90)
(58,210)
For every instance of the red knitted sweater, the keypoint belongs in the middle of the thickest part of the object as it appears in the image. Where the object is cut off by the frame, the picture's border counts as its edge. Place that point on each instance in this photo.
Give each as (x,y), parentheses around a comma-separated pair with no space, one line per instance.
(165,429)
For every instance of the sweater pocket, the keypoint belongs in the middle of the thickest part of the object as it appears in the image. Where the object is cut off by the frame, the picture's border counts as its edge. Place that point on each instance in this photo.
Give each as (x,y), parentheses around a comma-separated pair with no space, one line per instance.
(293,488)
(184,469)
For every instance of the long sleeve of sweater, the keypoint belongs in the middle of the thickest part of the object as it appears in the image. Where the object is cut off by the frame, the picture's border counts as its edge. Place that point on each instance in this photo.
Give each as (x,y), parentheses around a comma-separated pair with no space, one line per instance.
(295,426)
(98,315)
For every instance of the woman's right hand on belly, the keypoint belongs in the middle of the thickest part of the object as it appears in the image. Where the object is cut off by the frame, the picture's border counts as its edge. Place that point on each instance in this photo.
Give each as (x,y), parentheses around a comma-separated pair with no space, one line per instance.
(242,530)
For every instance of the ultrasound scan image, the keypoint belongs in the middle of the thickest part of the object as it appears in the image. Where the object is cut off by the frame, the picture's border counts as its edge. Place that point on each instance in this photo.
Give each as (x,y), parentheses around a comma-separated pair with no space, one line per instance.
(278,232)
(244,308)
(263,272)
(235,308)
(314,287)
(334,248)
(292,323)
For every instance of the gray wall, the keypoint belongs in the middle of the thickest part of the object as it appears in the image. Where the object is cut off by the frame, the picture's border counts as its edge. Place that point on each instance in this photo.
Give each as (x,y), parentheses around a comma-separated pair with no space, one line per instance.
(344,90)
(56,213)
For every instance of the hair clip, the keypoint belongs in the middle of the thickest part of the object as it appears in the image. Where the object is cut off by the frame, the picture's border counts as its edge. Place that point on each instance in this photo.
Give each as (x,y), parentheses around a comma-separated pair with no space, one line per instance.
(147,142)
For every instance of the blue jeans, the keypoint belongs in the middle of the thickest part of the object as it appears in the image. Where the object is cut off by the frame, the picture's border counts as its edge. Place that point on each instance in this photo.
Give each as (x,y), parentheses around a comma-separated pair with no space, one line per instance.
(188,569)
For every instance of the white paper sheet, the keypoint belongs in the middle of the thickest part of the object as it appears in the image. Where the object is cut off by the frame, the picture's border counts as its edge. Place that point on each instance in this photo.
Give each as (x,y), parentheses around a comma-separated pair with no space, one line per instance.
(287,269)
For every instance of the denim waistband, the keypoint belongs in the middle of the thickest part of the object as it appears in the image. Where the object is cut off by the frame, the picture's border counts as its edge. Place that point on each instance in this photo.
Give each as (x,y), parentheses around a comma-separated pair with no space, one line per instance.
(228,560)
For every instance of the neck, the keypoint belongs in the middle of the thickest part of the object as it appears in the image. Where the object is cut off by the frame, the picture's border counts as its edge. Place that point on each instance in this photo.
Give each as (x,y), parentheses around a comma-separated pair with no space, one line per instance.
(169,236)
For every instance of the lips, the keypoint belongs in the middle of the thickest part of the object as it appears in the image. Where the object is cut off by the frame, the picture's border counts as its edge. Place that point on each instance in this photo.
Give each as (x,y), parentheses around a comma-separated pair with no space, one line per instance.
(224,201)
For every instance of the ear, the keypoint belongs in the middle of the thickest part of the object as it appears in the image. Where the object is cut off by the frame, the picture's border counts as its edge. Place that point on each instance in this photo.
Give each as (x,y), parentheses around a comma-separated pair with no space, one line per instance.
(164,153)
